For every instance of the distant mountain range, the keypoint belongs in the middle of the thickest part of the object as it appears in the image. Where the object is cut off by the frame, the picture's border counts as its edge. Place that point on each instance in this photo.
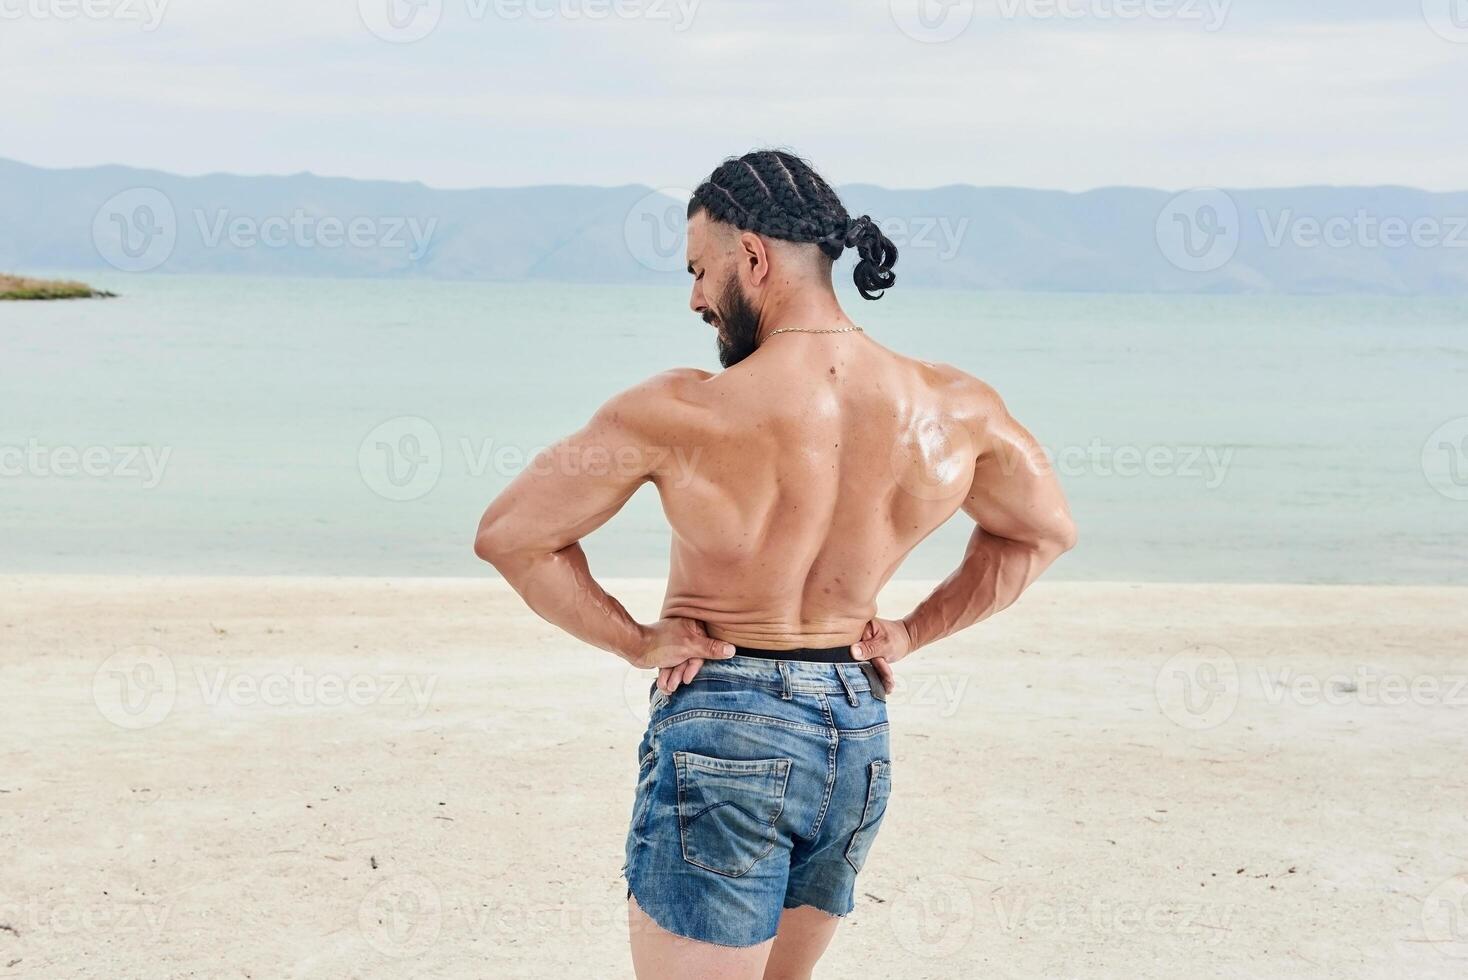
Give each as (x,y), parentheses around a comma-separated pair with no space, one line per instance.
(1390,240)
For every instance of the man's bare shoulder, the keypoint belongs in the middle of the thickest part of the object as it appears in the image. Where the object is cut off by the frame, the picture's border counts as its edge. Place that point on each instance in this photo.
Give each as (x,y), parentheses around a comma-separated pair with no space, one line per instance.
(663,404)
(963,395)
(983,413)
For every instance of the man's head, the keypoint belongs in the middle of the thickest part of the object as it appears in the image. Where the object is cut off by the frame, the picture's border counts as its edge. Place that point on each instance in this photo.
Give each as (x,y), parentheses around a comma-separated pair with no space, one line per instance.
(765,223)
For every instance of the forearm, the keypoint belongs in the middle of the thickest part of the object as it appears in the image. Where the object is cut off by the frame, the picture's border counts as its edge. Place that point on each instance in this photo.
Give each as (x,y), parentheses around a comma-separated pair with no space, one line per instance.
(995,572)
(560,589)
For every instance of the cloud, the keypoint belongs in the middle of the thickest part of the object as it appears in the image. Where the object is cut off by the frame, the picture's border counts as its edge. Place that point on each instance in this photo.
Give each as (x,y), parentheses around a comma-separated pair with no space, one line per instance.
(1286,93)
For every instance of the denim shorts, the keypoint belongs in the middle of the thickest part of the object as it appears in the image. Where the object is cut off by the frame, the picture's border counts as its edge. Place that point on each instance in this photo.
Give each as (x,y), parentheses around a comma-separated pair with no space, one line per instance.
(761,786)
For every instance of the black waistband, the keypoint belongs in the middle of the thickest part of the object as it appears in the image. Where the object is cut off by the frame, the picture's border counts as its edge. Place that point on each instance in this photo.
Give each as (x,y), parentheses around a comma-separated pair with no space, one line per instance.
(808,655)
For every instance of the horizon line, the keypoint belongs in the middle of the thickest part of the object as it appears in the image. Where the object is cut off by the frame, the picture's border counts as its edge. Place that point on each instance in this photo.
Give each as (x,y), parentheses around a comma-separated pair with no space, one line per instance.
(648,187)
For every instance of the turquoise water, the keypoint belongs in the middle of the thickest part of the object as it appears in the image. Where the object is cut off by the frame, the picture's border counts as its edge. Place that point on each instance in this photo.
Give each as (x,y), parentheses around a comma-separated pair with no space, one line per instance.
(1274,439)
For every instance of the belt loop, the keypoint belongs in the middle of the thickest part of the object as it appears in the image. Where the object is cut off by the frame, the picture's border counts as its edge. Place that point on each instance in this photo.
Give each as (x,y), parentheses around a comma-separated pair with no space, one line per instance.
(851,697)
(784,679)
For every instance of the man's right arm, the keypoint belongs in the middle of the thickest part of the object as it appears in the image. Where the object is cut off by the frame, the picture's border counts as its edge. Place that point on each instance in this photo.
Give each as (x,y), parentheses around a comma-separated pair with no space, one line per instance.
(1023,523)
(532,531)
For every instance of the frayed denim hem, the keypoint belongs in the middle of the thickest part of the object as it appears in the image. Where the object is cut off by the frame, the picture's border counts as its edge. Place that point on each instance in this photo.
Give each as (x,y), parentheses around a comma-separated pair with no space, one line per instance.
(793,903)
(681,935)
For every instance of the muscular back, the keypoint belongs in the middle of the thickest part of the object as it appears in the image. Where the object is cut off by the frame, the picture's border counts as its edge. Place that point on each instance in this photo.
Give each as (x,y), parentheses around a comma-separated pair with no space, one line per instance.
(801,480)
(795,483)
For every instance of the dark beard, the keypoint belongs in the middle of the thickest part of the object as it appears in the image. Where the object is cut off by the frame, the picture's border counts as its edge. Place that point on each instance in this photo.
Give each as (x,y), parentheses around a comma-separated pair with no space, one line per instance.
(738,325)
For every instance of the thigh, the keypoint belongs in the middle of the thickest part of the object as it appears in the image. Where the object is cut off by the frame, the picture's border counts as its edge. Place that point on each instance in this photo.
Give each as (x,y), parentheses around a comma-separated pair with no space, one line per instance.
(804,935)
(660,955)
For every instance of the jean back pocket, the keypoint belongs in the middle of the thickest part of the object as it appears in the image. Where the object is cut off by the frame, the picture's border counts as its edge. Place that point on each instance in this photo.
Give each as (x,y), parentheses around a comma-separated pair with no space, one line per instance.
(727,810)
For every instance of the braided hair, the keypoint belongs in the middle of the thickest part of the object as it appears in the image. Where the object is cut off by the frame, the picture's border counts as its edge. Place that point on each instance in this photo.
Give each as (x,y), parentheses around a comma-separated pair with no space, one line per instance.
(779,195)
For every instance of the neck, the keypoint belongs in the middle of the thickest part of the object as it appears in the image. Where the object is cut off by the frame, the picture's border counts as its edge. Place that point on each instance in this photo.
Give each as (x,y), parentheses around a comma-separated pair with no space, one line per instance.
(805,309)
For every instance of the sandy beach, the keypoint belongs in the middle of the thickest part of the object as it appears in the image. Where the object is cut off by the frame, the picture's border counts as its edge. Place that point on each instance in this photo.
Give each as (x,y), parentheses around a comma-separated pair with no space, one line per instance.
(344,778)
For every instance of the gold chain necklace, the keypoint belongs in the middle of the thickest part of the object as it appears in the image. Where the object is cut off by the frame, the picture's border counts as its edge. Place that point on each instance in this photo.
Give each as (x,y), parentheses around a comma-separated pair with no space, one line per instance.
(804,330)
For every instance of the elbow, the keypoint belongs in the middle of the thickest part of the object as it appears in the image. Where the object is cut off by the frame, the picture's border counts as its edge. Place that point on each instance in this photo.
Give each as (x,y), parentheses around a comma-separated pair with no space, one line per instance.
(506,546)
(1067,538)
(1062,538)
(492,544)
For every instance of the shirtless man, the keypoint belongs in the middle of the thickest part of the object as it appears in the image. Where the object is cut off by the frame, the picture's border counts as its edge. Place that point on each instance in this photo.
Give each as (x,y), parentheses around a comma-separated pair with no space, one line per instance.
(795,481)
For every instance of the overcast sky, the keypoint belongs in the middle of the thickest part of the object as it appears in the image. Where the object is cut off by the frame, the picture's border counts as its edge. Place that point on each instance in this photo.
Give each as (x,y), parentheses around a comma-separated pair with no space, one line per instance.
(1069,94)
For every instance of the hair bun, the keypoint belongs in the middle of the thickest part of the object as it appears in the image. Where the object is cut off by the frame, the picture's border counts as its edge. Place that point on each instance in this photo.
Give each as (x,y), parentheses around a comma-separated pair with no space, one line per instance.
(859,230)
(873,273)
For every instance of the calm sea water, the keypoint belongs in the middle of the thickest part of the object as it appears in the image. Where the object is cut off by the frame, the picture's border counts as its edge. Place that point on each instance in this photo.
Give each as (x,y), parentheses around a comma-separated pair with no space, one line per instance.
(235,425)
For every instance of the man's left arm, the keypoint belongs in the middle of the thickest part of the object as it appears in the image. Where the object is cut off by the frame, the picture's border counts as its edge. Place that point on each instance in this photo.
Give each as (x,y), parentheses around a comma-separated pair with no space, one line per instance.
(531,534)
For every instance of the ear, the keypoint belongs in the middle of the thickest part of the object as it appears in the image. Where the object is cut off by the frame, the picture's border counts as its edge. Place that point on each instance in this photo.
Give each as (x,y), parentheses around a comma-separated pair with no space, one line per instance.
(754,259)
